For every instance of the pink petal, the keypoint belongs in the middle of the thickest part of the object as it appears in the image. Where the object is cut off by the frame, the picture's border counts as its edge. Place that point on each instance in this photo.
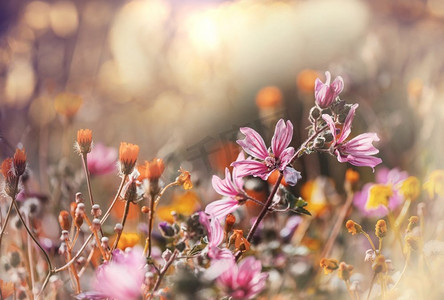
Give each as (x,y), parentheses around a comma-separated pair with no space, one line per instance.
(224,187)
(253,143)
(337,85)
(346,130)
(251,167)
(331,125)
(283,134)
(286,157)
(221,208)
(291,176)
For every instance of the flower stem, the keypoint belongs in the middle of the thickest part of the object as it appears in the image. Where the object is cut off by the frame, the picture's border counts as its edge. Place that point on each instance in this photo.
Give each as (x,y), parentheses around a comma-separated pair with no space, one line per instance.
(162,273)
(8,214)
(369,239)
(263,211)
(125,215)
(150,223)
(88,179)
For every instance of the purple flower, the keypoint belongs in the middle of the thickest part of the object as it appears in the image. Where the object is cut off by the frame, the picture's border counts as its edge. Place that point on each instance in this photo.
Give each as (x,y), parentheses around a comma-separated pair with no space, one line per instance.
(243,281)
(326,93)
(392,178)
(279,158)
(231,188)
(359,150)
(102,160)
(122,277)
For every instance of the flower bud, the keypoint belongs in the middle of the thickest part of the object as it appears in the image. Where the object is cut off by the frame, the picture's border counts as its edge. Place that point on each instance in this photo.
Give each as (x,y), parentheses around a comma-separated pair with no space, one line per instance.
(166,229)
(329,265)
(315,113)
(319,142)
(19,162)
(353,227)
(166,255)
(78,220)
(65,236)
(62,249)
(370,255)
(64,220)
(338,106)
(180,246)
(380,229)
(344,271)
(105,242)
(379,265)
(84,141)
(230,220)
(95,225)
(96,211)
(131,192)
(413,221)
(79,198)
(145,209)
(118,228)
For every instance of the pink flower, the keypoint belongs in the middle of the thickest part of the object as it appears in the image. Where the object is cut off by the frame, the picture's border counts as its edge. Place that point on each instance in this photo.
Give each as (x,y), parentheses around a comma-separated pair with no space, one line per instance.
(393,178)
(326,93)
(102,160)
(231,188)
(121,278)
(359,150)
(221,259)
(279,158)
(243,281)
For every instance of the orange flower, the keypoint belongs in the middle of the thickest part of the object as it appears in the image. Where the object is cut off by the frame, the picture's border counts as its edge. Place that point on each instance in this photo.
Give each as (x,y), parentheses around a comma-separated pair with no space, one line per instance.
(230,219)
(239,241)
(184,179)
(269,97)
(129,239)
(306,80)
(19,161)
(128,156)
(67,104)
(151,170)
(274,177)
(7,168)
(84,140)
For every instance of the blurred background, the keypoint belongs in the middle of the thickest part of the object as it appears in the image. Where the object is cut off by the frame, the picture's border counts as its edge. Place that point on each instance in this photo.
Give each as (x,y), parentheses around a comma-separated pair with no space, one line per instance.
(179,78)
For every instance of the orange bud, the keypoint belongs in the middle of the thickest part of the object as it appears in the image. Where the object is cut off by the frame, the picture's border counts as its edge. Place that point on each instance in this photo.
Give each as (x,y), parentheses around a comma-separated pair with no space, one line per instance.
(128,154)
(84,140)
(64,220)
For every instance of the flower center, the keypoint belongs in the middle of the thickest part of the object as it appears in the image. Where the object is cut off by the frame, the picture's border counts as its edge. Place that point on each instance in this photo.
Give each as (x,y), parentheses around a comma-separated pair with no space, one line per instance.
(271,162)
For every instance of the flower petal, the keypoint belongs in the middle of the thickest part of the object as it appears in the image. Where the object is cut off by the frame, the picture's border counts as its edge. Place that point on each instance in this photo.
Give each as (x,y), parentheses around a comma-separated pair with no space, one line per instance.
(221,208)
(253,143)
(283,134)
(346,130)
(291,176)
(251,167)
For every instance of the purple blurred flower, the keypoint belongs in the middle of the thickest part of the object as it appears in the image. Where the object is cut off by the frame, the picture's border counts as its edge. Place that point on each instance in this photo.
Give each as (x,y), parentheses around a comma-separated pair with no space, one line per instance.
(279,158)
(392,178)
(102,160)
(231,188)
(326,93)
(359,150)
(243,281)
(122,277)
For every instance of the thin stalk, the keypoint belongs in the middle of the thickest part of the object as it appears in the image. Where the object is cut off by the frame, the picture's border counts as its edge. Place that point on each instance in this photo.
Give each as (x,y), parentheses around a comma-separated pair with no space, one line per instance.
(162,273)
(30,260)
(263,211)
(336,228)
(88,260)
(371,286)
(407,261)
(150,223)
(107,213)
(302,148)
(125,215)
(370,240)
(350,293)
(96,236)
(8,215)
(88,179)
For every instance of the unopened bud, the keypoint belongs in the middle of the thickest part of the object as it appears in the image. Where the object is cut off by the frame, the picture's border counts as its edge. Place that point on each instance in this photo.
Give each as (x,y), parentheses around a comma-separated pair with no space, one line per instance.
(353,227)
(180,246)
(64,236)
(379,265)
(96,211)
(81,260)
(78,220)
(338,106)
(315,113)
(166,255)
(64,220)
(230,220)
(344,271)
(166,229)
(131,192)
(319,142)
(79,198)
(145,209)
(329,265)
(95,225)
(328,137)
(105,242)
(380,229)
(62,248)
(80,210)
(118,228)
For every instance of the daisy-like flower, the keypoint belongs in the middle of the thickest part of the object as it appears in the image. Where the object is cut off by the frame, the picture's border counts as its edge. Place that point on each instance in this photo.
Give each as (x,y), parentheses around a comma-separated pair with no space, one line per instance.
(243,281)
(326,93)
(279,158)
(128,156)
(357,151)
(84,140)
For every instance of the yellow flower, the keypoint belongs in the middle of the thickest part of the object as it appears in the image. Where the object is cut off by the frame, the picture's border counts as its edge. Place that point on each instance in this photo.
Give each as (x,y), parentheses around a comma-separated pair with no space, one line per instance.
(313,192)
(184,204)
(411,188)
(128,239)
(184,179)
(353,227)
(67,104)
(435,184)
(379,194)
(329,265)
